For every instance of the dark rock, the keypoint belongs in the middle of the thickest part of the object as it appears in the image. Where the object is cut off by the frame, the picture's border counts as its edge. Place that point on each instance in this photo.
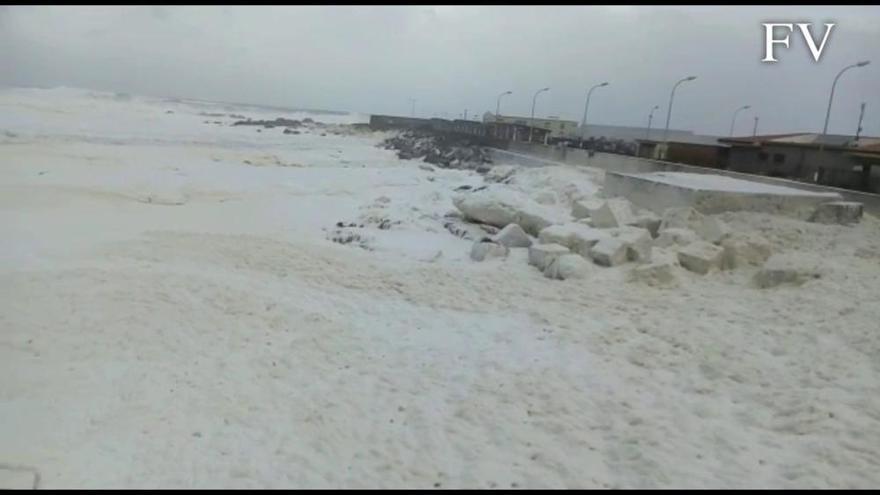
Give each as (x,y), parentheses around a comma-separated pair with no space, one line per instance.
(279,122)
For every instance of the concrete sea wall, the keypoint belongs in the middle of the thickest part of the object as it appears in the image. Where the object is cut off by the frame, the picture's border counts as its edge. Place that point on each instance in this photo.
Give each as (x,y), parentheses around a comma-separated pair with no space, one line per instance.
(530,154)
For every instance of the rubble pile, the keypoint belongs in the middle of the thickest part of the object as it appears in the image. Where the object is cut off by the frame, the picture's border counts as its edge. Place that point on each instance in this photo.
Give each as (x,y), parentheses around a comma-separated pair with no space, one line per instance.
(444,151)
(612,232)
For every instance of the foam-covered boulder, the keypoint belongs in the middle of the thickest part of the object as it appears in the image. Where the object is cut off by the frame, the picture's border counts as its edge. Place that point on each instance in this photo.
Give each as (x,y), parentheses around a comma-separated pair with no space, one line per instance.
(545,197)
(614,212)
(573,235)
(744,249)
(609,252)
(499,207)
(540,255)
(512,236)
(500,173)
(483,250)
(838,212)
(660,273)
(701,257)
(788,268)
(711,229)
(582,207)
(647,220)
(567,266)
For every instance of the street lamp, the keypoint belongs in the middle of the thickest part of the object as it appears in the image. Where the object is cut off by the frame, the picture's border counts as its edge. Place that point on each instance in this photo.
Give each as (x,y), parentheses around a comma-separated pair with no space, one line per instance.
(412,112)
(831,97)
(534,98)
(669,110)
(732,122)
(498,104)
(651,117)
(587,107)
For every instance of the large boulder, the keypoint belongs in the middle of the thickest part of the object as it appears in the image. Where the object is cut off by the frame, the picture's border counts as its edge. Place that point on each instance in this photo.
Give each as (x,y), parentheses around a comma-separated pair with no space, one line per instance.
(701,257)
(637,240)
(680,218)
(788,268)
(540,255)
(609,252)
(512,236)
(567,266)
(744,249)
(482,250)
(575,236)
(615,212)
(839,212)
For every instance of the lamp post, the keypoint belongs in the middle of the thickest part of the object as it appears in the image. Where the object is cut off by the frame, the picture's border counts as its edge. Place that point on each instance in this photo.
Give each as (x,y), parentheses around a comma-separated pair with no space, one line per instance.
(732,122)
(498,104)
(587,107)
(755,129)
(412,112)
(534,98)
(669,110)
(650,117)
(831,98)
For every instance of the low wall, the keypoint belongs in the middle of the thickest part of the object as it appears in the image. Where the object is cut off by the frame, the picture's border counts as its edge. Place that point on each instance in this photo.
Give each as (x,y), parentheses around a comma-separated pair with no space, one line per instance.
(531,154)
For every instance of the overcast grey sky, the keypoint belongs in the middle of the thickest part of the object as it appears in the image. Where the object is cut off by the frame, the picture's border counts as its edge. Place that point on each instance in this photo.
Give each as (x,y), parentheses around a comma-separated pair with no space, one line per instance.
(373,59)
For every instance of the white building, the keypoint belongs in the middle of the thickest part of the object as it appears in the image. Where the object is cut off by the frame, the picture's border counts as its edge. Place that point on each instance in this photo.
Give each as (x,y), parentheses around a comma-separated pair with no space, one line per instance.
(558,128)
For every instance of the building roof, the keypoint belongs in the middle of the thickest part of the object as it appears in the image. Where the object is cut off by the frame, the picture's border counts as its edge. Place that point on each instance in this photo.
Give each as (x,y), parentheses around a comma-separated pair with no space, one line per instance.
(489,117)
(695,139)
(805,139)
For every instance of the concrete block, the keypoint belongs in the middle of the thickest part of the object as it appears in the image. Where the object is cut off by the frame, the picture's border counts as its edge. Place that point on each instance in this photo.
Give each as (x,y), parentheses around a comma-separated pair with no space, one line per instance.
(568,266)
(637,240)
(609,252)
(647,220)
(838,212)
(512,236)
(675,237)
(583,207)
(744,249)
(701,257)
(540,255)
(615,212)
(655,274)
(575,236)
(788,268)
(482,250)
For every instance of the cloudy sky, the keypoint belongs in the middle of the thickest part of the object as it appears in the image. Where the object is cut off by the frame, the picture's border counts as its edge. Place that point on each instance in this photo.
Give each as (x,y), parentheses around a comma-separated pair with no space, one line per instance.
(374,59)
